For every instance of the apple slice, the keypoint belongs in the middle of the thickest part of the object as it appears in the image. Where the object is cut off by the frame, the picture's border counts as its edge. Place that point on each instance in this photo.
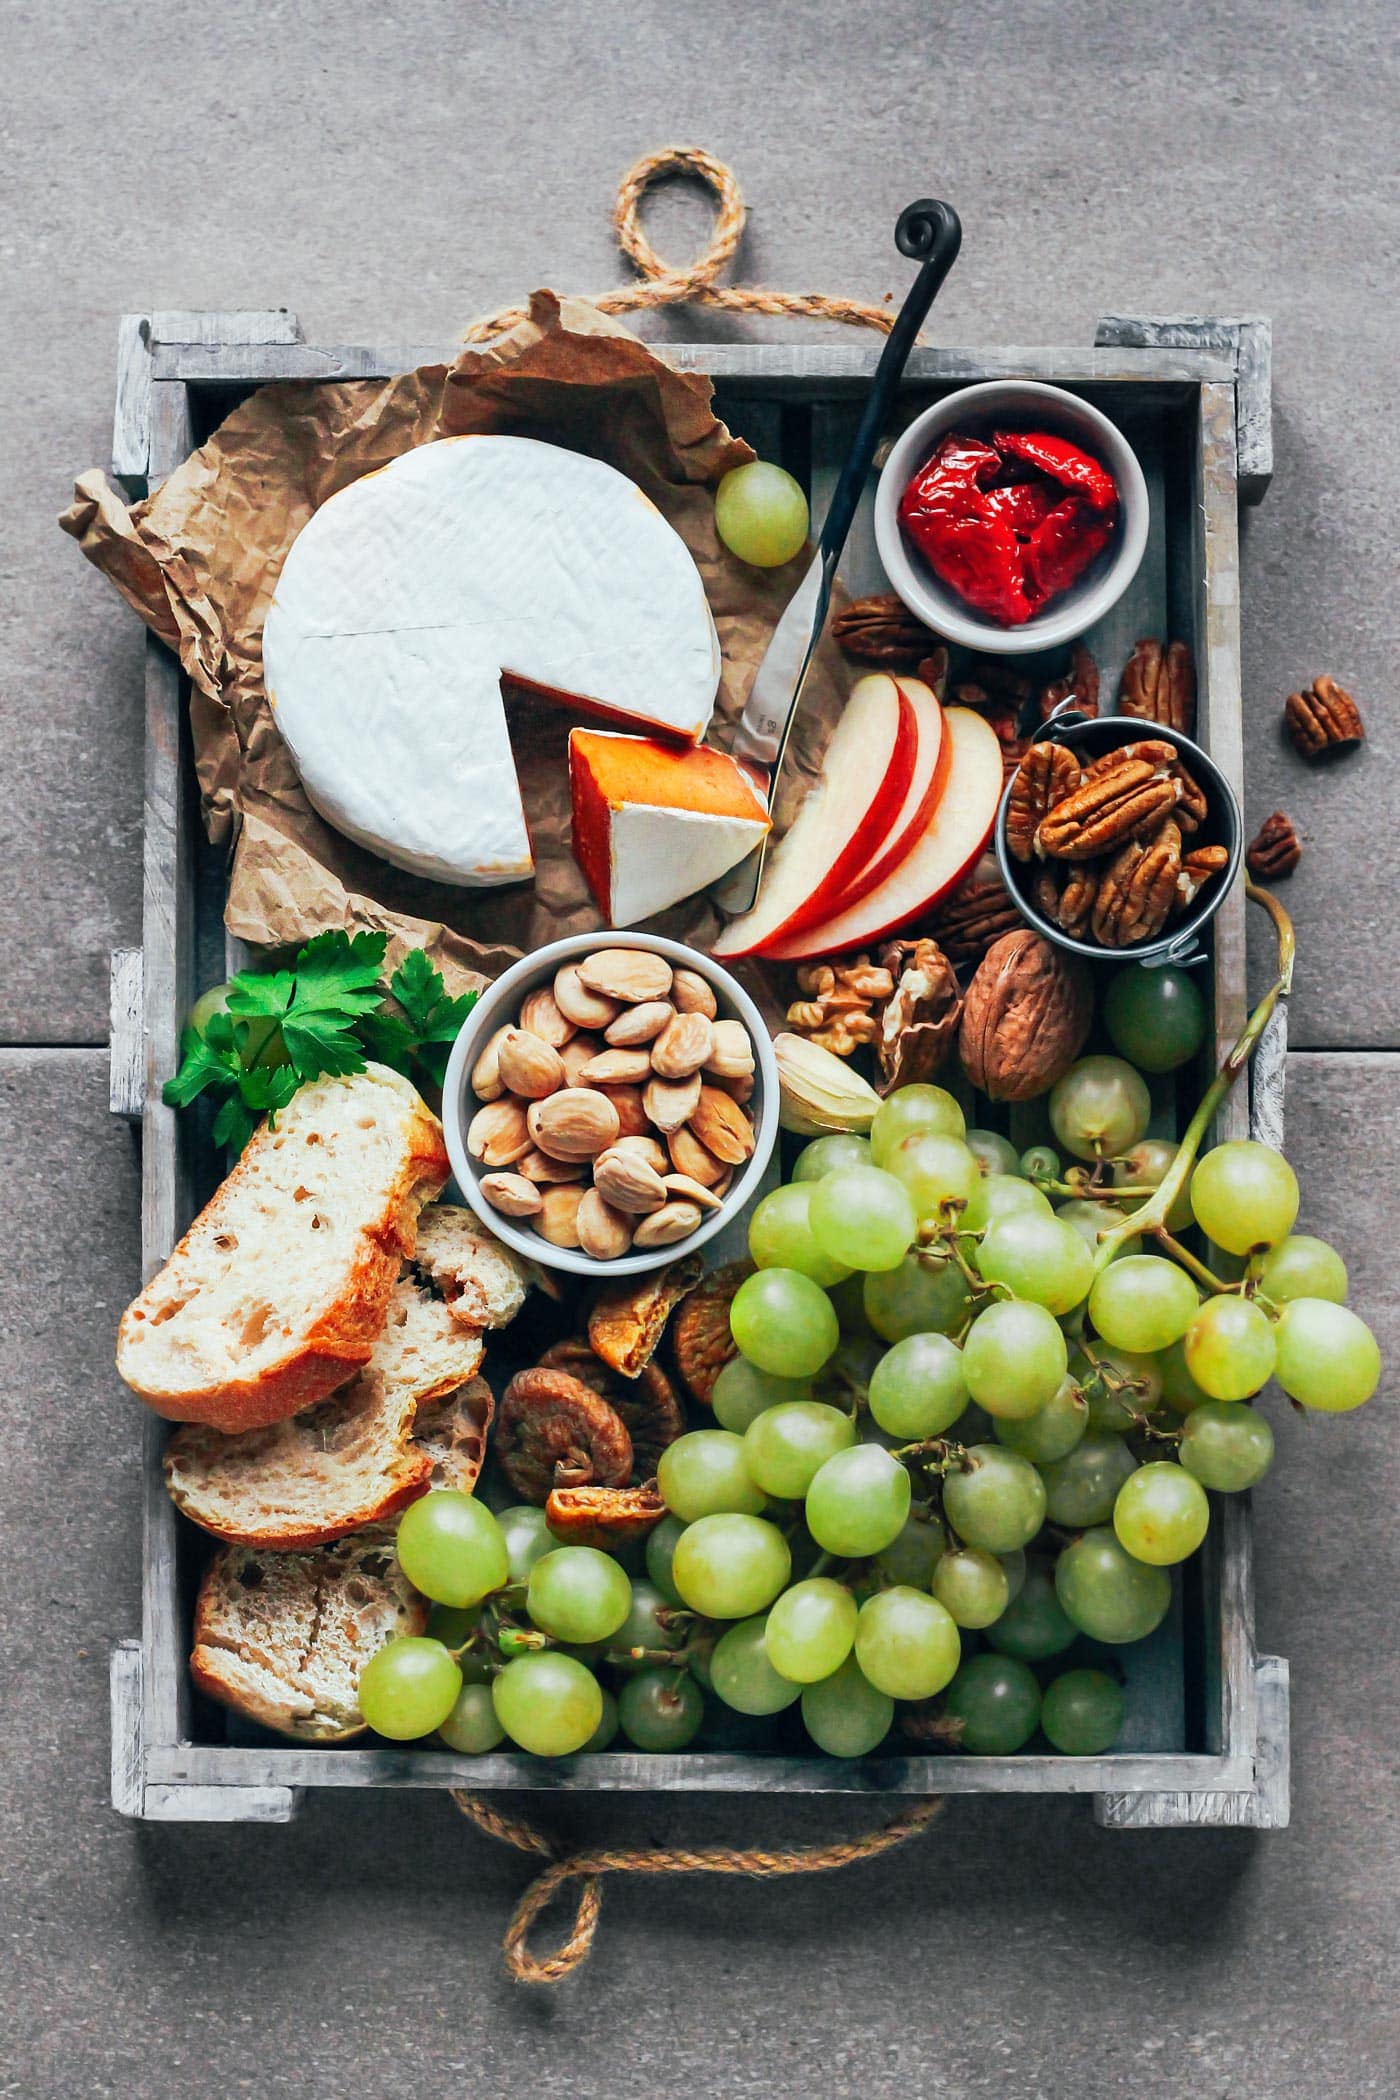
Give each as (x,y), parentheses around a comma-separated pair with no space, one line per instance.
(931,763)
(861,790)
(958,832)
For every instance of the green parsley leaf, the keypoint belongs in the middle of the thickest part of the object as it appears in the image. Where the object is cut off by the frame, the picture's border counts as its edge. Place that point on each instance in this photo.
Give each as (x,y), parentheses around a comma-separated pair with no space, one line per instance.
(204,1062)
(434,1018)
(388,1040)
(233,1125)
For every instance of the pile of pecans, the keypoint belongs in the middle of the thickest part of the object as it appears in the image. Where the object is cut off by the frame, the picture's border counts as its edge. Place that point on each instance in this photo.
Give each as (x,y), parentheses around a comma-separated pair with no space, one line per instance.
(612,1110)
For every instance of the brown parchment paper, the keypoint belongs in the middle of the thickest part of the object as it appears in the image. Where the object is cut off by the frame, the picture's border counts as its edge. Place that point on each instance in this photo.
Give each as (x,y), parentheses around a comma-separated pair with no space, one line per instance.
(200,557)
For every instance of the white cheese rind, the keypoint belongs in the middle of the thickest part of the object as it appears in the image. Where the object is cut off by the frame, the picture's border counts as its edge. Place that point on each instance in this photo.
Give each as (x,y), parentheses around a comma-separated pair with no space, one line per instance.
(657,855)
(408,594)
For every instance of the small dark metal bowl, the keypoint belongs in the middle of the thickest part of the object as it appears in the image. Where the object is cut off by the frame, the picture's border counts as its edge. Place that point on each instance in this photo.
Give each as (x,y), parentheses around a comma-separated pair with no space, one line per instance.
(1223,826)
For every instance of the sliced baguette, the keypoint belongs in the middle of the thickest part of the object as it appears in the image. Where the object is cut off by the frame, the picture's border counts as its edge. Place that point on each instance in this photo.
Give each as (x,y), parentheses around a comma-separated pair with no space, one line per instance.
(353,1459)
(279,1289)
(482,1281)
(283,1637)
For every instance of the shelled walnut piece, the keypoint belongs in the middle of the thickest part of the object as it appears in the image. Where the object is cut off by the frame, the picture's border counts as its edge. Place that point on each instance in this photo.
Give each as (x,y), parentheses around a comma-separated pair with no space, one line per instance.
(622,1123)
(1323,719)
(919,1023)
(838,1009)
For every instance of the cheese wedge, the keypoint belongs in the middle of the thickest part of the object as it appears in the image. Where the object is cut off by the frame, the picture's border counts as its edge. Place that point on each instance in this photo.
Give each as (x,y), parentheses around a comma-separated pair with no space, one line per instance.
(652,824)
(413,592)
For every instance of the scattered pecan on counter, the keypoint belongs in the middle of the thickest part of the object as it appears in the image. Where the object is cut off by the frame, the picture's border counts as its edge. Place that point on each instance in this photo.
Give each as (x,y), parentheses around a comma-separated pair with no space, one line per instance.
(1276,849)
(919,1025)
(1323,719)
(837,1010)
(881,630)
(1159,685)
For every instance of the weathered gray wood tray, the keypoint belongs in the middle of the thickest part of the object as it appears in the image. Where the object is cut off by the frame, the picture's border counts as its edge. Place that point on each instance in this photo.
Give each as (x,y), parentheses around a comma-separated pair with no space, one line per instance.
(1206,1741)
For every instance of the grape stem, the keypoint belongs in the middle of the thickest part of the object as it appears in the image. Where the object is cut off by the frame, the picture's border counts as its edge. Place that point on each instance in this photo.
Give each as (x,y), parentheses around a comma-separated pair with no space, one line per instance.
(1207,1278)
(1152,1215)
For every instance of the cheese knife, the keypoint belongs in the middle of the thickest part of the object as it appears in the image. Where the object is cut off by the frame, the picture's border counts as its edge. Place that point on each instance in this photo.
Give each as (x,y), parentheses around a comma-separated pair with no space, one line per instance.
(930,233)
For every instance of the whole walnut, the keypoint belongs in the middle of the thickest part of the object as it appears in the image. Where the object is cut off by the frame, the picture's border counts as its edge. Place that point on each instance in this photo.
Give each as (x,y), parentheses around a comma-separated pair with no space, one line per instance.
(1026,1018)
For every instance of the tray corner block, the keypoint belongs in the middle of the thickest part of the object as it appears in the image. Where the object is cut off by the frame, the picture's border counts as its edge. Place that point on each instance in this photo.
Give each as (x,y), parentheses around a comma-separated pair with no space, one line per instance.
(1264,1806)
(136,1797)
(1248,339)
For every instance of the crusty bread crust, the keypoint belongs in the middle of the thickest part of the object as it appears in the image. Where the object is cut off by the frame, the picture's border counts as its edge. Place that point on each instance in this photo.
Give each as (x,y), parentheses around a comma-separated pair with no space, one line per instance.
(336,1341)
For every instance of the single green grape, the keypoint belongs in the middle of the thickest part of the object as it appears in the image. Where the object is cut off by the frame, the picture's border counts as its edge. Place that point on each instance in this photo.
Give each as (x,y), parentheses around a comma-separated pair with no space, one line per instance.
(1090,1220)
(577,1593)
(660,1552)
(548,1703)
(913,1111)
(1161,1514)
(1042,1259)
(996,1501)
(1082,1712)
(1146,1165)
(938,1171)
(644,1625)
(809,1631)
(784,1323)
(1327,1358)
(742,1674)
(995,1700)
(1225,1446)
(1081,1488)
(1100,1108)
(729,1567)
(1015,1565)
(1041,1163)
(1014,1358)
(910,1557)
(972,1586)
(858,1502)
(1179,1389)
(1230,1347)
(844,1714)
(704,1473)
(1051,1433)
(863,1217)
(780,1235)
(472,1727)
(1156,1017)
(741,1392)
(906,1643)
(528,1538)
(1303,1267)
(917,1388)
(1121,1386)
(408,1688)
(607,1725)
(1142,1303)
(999,1196)
(1033,1626)
(923,1295)
(993,1153)
(1109,1594)
(660,1710)
(824,1155)
(1244,1195)
(451,1548)
(761,514)
(786,1447)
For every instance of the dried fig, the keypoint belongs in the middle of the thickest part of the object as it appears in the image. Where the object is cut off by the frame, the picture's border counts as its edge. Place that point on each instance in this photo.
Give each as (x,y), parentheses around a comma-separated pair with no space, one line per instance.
(646,1405)
(1026,1018)
(629,1319)
(555,1431)
(700,1337)
(604,1517)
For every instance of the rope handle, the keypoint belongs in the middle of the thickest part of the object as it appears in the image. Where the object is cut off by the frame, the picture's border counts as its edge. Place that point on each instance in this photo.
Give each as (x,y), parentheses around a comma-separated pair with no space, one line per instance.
(590,1867)
(664,285)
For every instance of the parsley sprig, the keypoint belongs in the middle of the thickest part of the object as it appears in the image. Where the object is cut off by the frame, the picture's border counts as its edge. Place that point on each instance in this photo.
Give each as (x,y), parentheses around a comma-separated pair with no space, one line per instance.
(326,1014)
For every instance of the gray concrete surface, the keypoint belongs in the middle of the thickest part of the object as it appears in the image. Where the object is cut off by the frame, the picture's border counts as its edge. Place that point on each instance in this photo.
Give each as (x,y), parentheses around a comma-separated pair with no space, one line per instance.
(393,172)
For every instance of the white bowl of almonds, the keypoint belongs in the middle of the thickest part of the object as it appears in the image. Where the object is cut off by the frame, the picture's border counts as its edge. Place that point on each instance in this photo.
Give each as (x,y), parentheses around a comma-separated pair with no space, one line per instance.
(611,1101)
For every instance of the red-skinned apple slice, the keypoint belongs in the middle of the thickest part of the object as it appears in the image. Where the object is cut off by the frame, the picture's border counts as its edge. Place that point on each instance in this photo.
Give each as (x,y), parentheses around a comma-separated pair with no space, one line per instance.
(862,788)
(952,844)
(931,764)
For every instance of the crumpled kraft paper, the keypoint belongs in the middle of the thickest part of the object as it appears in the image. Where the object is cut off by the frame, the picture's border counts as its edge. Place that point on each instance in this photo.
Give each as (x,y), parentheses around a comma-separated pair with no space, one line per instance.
(200,557)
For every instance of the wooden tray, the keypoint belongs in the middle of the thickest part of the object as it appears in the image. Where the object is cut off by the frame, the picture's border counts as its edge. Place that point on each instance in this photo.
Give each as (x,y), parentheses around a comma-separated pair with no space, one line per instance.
(1206,1737)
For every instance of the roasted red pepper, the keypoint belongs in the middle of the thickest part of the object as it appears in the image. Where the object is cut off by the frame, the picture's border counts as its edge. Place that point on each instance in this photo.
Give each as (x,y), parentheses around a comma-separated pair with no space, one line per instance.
(1008,540)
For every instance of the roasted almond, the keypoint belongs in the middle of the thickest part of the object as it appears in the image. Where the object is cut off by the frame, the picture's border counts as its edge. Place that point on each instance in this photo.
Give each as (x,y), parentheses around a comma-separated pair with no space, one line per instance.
(645,1146)
(585,1008)
(528,1065)
(689,1156)
(690,1191)
(557,1217)
(722,1127)
(575,1123)
(539,1167)
(630,975)
(511,1194)
(617,1068)
(731,1052)
(683,1046)
(541,1014)
(693,994)
(740,1089)
(576,1053)
(639,1024)
(487,1083)
(676,1221)
(498,1134)
(628,1181)
(671,1102)
(603,1231)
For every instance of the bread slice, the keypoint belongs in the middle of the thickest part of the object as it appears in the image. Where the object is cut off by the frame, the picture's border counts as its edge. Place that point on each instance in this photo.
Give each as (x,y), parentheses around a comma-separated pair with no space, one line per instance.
(352,1460)
(453,1431)
(283,1637)
(482,1281)
(279,1289)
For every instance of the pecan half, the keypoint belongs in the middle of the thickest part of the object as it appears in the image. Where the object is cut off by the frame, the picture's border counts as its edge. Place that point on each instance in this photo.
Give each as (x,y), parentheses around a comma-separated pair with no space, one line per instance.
(1275,851)
(701,1338)
(919,1025)
(1079,685)
(555,1431)
(979,912)
(1136,890)
(881,630)
(629,1319)
(647,1405)
(1323,719)
(1159,685)
(1028,1014)
(604,1517)
(1048,773)
(1196,871)
(837,1009)
(1064,892)
(1123,795)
